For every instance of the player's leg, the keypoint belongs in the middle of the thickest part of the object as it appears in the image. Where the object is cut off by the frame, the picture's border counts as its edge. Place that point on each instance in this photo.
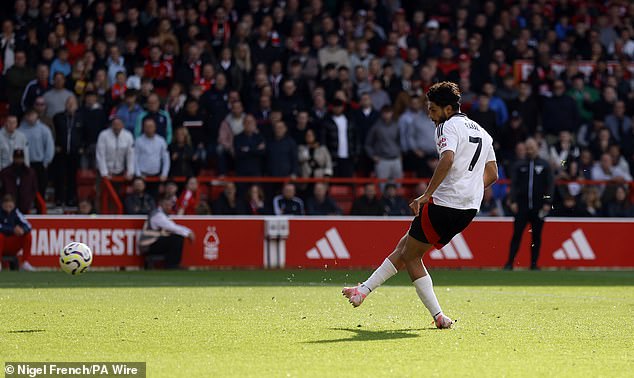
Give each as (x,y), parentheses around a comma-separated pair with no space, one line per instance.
(518,230)
(390,266)
(412,255)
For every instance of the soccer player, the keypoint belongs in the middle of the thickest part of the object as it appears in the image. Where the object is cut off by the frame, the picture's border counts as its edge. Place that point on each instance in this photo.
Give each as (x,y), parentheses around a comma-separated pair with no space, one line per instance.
(467,166)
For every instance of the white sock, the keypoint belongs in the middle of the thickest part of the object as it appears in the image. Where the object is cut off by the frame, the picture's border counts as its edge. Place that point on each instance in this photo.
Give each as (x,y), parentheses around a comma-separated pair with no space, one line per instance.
(380,275)
(425,290)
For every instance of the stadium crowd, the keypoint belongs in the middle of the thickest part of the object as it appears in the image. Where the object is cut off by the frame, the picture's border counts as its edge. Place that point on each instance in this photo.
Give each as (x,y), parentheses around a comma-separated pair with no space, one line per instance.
(320,88)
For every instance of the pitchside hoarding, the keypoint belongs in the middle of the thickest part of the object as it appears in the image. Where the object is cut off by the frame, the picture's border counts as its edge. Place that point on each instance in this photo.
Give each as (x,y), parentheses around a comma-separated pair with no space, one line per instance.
(337,242)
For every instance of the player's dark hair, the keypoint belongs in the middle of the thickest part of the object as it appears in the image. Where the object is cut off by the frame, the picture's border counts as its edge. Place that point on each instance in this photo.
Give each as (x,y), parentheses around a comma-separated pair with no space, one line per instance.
(444,94)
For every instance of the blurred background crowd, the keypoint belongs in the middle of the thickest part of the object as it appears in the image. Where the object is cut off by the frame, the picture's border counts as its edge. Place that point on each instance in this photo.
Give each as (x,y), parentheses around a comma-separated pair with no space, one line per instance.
(153,90)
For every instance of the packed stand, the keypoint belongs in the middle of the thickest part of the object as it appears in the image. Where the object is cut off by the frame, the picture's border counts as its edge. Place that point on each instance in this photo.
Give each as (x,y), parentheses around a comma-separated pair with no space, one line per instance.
(176,88)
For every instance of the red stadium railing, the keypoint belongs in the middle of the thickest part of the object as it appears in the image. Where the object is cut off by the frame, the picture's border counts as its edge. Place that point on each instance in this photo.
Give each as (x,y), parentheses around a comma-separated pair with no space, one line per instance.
(40,203)
(110,192)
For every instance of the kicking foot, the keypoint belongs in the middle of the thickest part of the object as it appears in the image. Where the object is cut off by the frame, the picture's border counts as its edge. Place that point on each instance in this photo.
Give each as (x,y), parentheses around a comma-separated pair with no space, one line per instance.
(354,295)
(442,321)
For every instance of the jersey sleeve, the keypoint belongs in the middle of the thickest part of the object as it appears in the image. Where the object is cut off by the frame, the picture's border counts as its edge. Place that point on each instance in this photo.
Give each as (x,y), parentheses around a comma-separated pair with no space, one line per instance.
(446,138)
(491,153)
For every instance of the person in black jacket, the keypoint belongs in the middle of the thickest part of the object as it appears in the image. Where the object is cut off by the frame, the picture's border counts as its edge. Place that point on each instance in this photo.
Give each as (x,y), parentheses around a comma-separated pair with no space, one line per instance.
(139,202)
(368,204)
(249,147)
(344,153)
(15,233)
(321,203)
(393,204)
(286,203)
(281,153)
(532,186)
(228,203)
(69,145)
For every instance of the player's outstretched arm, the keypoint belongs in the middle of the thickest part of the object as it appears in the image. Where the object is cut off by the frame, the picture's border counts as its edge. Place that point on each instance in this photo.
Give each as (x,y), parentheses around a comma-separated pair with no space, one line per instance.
(444,165)
(490,173)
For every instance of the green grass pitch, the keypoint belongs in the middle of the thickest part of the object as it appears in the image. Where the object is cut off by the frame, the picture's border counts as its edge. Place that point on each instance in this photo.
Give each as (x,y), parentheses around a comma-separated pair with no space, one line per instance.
(296,323)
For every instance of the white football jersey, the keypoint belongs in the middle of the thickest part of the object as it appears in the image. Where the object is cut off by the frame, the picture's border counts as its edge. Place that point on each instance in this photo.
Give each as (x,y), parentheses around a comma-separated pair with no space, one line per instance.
(463,187)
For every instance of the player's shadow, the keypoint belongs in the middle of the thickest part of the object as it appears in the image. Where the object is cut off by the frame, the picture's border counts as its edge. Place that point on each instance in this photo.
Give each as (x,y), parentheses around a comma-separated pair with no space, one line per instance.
(369,335)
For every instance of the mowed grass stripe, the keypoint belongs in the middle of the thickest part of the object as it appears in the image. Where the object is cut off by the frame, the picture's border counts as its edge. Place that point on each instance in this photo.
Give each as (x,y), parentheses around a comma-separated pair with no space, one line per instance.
(205,330)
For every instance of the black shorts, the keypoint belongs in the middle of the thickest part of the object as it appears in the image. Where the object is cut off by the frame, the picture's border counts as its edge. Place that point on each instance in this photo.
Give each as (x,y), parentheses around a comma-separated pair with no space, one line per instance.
(437,225)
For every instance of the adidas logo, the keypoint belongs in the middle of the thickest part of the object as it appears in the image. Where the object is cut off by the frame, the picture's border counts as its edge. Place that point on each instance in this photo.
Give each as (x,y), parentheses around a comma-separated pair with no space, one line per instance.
(576,248)
(329,247)
(456,249)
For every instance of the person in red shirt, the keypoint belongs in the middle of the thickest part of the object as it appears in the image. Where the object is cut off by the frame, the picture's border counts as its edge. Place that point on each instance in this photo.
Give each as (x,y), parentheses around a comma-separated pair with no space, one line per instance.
(119,87)
(159,70)
(189,198)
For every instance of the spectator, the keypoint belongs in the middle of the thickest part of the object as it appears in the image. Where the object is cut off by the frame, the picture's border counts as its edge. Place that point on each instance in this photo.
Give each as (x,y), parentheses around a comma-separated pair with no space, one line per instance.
(591,199)
(287,203)
(161,119)
(189,198)
(281,153)
(368,203)
(56,97)
(115,151)
(289,101)
(15,233)
(618,161)
(195,121)
(20,181)
(583,95)
(621,206)
(378,95)
(255,202)
(232,125)
(320,203)
(60,64)
(41,147)
(314,159)
(95,120)
(515,132)
(569,208)
(129,110)
(526,106)
(12,139)
(35,88)
(151,153)
(393,204)
(618,122)
(563,152)
(383,146)
(228,202)
(40,108)
(416,132)
(181,154)
(560,110)
(169,245)
(70,128)
(301,126)
(604,170)
(159,70)
(190,71)
(85,207)
(339,135)
(250,148)
(485,116)
(115,64)
(17,78)
(139,202)
(495,104)
(491,206)
(333,53)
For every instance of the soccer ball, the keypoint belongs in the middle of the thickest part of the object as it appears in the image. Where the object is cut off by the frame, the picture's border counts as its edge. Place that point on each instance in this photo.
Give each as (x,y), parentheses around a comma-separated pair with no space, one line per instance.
(75,258)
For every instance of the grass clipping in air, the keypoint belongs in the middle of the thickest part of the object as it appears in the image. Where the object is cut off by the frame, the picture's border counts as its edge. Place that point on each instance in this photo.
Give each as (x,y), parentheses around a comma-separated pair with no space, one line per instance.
(296,323)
